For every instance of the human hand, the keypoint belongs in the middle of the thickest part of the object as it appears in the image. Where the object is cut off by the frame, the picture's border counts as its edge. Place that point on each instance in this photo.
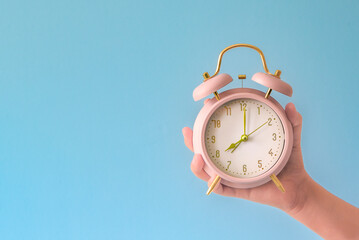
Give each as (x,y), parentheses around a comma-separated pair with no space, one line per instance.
(293,177)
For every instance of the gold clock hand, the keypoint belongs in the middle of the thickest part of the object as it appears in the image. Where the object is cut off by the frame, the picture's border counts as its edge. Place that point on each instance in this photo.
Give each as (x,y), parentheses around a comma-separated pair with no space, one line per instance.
(244,138)
(258,128)
(244,120)
(233,145)
(236,147)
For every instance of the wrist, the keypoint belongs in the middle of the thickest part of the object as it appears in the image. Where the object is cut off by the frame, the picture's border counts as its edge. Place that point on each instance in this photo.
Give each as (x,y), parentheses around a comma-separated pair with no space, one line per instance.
(324,213)
(302,196)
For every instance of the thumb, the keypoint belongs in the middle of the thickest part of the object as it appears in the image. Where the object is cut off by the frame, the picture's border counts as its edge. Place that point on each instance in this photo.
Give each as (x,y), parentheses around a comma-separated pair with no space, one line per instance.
(296,119)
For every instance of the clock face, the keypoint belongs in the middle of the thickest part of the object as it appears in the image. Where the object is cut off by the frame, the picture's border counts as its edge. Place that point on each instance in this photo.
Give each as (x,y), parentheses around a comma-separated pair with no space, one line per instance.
(244,138)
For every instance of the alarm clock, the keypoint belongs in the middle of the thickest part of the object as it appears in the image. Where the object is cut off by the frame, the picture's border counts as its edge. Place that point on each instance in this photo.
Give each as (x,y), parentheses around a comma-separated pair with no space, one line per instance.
(242,134)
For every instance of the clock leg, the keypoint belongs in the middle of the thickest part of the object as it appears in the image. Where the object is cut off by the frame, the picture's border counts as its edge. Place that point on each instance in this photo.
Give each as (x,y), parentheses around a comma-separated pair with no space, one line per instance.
(216,180)
(277,182)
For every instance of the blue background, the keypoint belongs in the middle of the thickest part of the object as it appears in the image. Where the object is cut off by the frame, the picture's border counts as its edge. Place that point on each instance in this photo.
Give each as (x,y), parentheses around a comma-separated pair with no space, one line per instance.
(94,94)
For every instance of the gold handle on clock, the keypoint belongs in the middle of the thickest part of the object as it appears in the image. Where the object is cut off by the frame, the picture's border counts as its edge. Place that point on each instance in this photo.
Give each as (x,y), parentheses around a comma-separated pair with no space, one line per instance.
(236,46)
(206,76)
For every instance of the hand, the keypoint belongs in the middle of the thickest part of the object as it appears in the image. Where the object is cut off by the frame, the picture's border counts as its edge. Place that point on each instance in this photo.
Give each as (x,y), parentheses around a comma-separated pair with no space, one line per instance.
(293,176)
(304,199)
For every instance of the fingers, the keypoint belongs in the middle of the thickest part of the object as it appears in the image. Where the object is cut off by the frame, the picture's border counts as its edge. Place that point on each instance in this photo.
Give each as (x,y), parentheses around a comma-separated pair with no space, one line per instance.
(296,119)
(197,167)
(188,137)
(188,134)
(197,162)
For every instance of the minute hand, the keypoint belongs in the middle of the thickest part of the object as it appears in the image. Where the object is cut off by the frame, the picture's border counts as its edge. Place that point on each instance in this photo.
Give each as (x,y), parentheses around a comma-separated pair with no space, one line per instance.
(244,120)
(258,128)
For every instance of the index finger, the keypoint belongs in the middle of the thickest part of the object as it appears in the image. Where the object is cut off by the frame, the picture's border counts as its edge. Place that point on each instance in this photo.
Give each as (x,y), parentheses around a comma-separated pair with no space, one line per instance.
(188,135)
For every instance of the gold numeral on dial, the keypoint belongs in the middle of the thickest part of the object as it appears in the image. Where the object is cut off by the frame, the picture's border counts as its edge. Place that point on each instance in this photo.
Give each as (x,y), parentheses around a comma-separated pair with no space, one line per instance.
(270,152)
(259,110)
(274,136)
(218,154)
(217,123)
(213,139)
(260,163)
(243,106)
(229,164)
(244,168)
(270,122)
(229,110)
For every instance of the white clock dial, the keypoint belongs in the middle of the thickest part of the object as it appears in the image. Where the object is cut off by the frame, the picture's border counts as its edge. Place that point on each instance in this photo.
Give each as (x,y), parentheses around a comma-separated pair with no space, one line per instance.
(254,156)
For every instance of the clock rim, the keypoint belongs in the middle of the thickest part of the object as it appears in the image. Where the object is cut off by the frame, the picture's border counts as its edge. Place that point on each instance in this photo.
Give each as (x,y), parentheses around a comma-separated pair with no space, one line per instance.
(199,137)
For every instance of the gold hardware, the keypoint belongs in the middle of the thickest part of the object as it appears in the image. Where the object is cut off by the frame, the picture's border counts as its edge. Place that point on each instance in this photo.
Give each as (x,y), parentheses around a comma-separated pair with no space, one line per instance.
(268,93)
(242,77)
(213,185)
(244,138)
(235,46)
(217,96)
(206,76)
(277,182)
(276,74)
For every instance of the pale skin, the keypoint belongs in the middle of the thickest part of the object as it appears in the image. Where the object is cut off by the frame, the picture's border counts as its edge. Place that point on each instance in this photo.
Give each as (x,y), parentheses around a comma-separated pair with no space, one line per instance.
(304,199)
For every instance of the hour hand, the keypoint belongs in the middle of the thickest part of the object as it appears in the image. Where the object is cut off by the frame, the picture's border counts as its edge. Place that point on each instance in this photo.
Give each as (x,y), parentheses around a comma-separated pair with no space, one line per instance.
(234,145)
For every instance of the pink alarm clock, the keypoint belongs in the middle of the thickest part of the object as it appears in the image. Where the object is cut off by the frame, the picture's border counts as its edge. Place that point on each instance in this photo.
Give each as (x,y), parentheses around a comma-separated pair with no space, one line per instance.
(243,134)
